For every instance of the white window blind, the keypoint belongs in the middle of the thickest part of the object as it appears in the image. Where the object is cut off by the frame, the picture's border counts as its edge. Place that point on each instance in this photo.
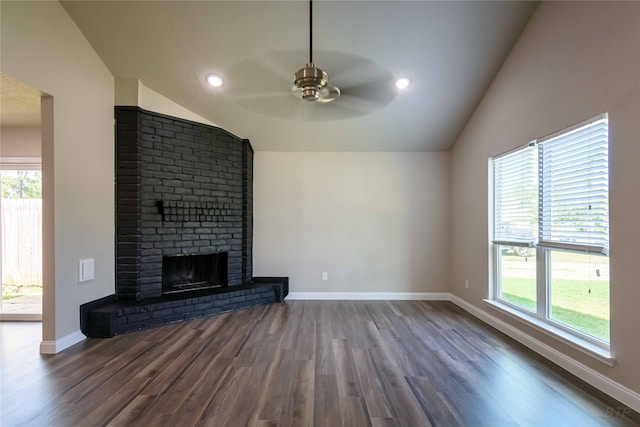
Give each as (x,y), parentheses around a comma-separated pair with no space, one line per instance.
(515,184)
(574,181)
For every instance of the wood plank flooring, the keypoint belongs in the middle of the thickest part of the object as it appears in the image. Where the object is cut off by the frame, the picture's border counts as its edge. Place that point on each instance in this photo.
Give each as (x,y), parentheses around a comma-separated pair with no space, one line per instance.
(300,363)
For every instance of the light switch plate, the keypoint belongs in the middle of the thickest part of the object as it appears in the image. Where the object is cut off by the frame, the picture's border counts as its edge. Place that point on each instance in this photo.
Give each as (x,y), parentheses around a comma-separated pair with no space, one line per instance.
(86,270)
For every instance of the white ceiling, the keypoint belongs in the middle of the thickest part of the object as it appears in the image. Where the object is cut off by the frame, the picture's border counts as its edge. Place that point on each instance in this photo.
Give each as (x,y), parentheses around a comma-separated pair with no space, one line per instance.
(450,50)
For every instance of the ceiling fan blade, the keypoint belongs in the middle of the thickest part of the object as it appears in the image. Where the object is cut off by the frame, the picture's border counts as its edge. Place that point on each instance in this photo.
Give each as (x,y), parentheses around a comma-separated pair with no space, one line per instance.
(251,77)
(264,85)
(335,64)
(316,112)
(364,85)
(278,104)
(290,60)
(377,93)
(258,85)
(328,94)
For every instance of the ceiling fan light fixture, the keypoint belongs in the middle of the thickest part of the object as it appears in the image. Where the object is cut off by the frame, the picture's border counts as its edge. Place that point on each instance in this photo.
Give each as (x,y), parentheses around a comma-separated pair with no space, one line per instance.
(310,94)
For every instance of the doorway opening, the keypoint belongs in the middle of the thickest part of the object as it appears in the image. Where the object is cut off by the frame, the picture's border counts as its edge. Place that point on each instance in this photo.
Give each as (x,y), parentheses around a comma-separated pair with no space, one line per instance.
(21,212)
(21,241)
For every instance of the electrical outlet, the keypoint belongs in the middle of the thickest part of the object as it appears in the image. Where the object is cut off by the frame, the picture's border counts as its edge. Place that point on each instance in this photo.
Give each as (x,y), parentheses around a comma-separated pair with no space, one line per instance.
(325,275)
(466,284)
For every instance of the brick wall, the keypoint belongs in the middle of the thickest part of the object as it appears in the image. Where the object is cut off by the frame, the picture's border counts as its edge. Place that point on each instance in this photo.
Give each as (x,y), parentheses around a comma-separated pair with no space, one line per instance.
(181,188)
(247,207)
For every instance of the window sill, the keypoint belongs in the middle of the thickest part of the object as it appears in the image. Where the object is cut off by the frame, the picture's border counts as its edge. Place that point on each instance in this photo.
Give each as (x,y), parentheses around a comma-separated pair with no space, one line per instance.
(601,354)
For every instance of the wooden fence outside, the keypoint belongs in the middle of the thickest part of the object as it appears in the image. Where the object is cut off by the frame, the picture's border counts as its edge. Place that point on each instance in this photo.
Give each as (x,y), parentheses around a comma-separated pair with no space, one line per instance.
(21,236)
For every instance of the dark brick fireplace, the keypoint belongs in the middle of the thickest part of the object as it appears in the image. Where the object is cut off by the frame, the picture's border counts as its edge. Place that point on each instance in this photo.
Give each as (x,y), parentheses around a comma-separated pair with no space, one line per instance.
(184,227)
(180,189)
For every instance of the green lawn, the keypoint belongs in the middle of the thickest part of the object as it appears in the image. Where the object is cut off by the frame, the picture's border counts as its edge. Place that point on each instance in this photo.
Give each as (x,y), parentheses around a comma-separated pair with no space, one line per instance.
(11,291)
(571,302)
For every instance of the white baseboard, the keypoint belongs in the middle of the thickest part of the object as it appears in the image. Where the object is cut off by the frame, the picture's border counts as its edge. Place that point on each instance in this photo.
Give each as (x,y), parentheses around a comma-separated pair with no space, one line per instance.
(425,296)
(596,379)
(20,317)
(53,347)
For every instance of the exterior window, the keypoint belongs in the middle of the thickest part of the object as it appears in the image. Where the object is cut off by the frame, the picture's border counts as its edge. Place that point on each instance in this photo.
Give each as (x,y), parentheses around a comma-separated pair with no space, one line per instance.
(579,292)
(550,230)
(517,276)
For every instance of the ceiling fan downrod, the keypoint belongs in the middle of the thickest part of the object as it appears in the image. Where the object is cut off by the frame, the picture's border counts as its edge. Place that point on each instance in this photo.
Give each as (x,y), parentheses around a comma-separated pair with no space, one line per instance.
(310,79)
(310,31)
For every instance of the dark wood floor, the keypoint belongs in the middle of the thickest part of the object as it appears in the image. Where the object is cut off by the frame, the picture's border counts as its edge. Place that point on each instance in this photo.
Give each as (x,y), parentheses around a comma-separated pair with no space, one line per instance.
(320,363)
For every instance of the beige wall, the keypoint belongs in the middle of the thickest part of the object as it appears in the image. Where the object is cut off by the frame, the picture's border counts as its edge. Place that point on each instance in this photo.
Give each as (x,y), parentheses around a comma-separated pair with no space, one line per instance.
(375,222)
(20,142)
(42,47)
(573,61)
(129,92)
(151,100)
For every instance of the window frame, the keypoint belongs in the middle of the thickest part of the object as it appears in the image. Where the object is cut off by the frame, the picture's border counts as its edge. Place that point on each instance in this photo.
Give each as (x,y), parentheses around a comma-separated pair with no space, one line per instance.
(541,318)
(21,163)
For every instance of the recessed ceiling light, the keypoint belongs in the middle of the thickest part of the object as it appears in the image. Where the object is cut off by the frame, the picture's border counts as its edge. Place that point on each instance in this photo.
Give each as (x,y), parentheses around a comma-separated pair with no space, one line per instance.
(403,83)
(214,80)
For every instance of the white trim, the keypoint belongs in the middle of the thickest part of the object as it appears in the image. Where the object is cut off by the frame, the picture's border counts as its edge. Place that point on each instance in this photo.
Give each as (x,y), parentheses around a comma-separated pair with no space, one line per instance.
(428,296)
(590,347)
(513,150)
(20,317)
(596,379)
(584,123)
(20,163)
(53,347)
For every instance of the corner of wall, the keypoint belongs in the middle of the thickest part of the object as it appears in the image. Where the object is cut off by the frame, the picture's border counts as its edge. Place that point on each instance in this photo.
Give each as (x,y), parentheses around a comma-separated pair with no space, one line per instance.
(151,100)
(127,91)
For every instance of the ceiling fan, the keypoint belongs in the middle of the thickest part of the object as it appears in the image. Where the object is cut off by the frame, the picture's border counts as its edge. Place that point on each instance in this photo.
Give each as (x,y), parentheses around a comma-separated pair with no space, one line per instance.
(311,83)
(364,85)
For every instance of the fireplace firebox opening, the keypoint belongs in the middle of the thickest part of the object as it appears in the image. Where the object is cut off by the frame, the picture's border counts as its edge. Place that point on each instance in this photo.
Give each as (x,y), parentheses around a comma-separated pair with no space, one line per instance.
(182,273)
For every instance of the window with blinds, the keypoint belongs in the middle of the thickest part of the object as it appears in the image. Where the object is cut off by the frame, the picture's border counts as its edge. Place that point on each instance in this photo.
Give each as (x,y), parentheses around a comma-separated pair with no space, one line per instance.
(555,192)
(515,196)
(574,188)
(553,195)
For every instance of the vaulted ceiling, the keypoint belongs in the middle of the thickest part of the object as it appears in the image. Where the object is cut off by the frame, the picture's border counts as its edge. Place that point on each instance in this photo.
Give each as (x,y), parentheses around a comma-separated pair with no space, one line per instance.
(449,50)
